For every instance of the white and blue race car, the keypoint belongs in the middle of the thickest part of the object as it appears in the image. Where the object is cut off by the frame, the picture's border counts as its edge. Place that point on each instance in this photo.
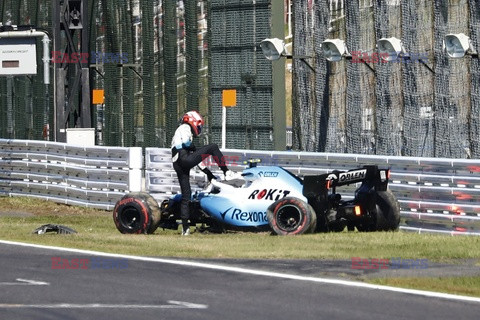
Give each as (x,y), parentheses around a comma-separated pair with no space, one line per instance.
(272,198)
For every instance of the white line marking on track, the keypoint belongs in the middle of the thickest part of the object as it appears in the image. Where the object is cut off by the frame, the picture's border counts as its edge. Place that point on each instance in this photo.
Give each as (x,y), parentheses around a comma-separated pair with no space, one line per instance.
(33,282)
(24,282)
(347,283)
(172,305)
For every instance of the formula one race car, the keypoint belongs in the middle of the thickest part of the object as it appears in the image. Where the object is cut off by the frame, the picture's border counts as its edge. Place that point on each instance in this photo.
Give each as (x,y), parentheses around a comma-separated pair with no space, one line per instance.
(272,198)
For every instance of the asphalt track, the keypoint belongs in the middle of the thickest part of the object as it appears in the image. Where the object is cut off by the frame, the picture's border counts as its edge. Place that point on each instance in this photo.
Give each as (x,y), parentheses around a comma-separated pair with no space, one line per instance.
(168,289)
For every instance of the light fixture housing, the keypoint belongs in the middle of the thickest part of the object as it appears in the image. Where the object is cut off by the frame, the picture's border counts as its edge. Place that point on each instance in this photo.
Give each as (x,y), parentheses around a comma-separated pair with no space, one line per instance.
(458,45)
(390,48)
(273,48)
(334,49)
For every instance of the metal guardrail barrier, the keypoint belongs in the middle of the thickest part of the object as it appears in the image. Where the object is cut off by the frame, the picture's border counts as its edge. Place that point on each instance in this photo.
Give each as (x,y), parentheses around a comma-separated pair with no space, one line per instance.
(88,176)
(435,194)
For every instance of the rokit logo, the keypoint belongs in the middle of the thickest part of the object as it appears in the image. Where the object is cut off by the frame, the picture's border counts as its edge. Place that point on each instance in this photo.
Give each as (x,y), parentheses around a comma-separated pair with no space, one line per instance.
(268,194)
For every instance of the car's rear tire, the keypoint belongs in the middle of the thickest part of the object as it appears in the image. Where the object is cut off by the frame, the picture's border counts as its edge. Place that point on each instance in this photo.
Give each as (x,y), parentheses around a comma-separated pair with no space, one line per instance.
(388,211)
(137,213)
(291,216)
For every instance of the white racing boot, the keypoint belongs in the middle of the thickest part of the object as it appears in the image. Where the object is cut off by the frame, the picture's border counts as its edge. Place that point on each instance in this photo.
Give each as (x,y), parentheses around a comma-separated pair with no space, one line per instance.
(230,175)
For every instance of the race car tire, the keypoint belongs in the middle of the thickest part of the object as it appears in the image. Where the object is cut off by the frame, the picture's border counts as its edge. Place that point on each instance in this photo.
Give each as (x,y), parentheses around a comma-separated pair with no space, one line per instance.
(291,216)
(388,211)
(137,213)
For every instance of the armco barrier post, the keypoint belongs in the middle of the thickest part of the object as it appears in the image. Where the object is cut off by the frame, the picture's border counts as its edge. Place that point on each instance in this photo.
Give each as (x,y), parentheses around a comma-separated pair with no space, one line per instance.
(135,166)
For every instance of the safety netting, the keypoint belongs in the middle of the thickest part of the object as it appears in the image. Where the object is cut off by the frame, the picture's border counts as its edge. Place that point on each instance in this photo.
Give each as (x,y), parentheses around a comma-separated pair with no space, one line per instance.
(25,101)
(237,63)
(182,55)
(155,60)
(421,104)
(474,119)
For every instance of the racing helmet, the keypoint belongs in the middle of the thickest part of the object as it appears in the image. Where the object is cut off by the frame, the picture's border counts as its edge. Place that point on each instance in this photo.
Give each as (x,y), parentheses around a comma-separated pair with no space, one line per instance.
(195,120)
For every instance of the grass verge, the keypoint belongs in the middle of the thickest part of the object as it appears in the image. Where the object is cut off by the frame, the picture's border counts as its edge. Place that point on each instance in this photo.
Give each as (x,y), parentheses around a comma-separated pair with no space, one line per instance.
(466,286)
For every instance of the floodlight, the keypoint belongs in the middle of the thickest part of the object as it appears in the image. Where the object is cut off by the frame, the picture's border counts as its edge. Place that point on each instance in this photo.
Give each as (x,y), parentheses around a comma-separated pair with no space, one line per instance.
(390,48)
(334,49)
(458,45)
(75,15)
(273,48)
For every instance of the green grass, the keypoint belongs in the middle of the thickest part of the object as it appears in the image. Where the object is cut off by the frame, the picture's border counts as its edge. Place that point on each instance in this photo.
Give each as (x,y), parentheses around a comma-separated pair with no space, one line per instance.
(467,286)
(96,231)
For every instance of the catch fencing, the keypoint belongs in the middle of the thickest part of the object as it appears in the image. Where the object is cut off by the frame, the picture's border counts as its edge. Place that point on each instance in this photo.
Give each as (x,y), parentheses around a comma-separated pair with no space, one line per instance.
(155,60)
(402,108)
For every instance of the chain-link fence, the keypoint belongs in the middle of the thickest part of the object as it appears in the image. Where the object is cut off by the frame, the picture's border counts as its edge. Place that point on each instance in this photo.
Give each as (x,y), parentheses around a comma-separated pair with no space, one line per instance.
(181,55)
(25,102)
(151,58)
(398,108)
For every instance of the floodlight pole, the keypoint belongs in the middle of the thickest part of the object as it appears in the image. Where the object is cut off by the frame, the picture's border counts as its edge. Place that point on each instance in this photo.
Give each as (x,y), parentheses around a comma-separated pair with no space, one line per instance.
(301,58)
(426,66)
(369,66)
(421,61)
(349,57)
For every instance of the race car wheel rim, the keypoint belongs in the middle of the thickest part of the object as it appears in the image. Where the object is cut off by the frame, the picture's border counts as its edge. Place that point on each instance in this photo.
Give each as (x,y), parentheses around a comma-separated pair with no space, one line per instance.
(288,218)
(131,218)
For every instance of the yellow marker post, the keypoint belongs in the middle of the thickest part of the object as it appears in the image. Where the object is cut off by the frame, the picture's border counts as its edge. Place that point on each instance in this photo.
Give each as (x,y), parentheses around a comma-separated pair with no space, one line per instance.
(229,99)
(98,96)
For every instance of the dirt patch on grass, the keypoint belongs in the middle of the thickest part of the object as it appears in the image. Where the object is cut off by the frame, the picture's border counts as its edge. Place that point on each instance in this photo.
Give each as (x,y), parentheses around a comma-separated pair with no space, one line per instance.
(19,214)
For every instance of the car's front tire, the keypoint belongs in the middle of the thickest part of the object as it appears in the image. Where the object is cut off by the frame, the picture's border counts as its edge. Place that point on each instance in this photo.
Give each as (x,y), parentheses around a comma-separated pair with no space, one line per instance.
(136,213)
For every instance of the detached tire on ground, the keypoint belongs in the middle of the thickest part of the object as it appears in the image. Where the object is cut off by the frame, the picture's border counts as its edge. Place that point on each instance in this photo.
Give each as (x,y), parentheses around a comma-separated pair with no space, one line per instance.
(291,216)
(388,211)
(136,213)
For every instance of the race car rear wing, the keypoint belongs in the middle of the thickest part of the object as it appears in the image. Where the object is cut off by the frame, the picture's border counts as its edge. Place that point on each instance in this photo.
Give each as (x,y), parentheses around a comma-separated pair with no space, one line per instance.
(369,175)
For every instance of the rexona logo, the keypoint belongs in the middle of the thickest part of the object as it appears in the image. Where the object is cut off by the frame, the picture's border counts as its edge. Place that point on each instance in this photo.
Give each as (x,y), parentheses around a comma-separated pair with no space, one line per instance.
(268,174)
(268,194)
(352,175)
(252,216)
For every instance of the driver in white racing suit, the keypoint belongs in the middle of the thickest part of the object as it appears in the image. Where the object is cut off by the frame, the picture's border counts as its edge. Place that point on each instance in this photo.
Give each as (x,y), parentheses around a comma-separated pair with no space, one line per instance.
(185,156)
